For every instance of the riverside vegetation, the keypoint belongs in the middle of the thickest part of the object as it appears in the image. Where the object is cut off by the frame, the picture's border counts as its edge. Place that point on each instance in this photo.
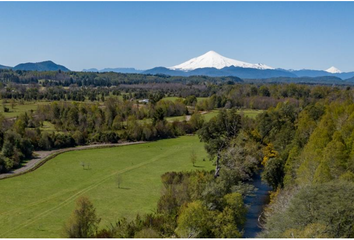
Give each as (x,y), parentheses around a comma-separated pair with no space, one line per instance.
(301,136)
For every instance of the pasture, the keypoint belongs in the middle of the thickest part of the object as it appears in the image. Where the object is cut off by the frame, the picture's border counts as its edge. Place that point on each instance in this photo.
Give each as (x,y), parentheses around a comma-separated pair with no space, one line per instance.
(18,108)
(175,98)
(27,106)
(38,203)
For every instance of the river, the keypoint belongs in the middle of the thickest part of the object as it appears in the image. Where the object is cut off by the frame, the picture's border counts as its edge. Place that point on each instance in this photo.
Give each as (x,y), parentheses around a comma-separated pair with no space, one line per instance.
(256,202)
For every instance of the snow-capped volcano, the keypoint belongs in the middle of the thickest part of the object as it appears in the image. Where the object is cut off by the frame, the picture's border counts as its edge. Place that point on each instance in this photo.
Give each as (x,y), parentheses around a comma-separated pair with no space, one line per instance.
(333,70)
(212,59)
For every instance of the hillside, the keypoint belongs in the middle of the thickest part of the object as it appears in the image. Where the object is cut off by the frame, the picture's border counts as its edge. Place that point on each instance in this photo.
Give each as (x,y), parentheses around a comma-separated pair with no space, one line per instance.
(117,70)
(321,73)
(4,67)
(41,66)
(328,80)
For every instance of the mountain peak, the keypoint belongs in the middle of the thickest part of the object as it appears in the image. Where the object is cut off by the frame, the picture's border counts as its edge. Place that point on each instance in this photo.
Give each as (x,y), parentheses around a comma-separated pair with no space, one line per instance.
(333,70)
(212,53)
(213,59)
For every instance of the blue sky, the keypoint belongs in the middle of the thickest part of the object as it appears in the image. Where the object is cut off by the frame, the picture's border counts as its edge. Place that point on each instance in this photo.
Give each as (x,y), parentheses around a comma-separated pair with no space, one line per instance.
(143,35)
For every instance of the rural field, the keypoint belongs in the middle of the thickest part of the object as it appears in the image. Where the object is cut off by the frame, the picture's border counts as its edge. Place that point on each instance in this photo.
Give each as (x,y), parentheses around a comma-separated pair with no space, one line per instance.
(27,106)
(38,203)
(18,108)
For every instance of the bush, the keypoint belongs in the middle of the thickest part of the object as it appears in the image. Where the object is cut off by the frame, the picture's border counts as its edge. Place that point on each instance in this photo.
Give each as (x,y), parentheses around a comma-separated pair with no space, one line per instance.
(5,163)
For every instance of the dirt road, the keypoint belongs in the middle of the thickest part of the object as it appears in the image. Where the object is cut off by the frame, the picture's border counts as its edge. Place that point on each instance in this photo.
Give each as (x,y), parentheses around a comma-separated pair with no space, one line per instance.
(43,156)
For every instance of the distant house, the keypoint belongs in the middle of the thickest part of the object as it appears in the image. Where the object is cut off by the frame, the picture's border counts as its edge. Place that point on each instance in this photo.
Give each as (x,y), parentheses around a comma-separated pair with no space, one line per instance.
(145,101)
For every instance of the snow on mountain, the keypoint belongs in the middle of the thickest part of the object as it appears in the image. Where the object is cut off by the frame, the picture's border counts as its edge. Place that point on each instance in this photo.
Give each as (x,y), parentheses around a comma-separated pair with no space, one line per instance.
(212,59)
(333,70)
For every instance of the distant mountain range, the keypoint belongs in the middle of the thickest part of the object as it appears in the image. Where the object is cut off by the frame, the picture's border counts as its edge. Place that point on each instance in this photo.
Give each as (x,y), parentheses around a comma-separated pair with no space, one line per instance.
(39,66)
(120,70)
(306,80)
(226,71)
(321,73)
(215,65)
(209,64)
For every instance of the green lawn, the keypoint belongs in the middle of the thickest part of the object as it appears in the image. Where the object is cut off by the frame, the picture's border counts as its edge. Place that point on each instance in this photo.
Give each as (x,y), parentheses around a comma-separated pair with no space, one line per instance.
(176,118)
(38,203)
(175,98)
(251,113)
(20,108)
(210,114)
(120,97)
(32,105)
(201,98)
(171,98)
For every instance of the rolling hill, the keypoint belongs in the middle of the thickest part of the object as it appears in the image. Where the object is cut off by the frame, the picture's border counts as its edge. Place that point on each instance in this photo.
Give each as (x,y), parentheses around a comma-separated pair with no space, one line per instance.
(41,66)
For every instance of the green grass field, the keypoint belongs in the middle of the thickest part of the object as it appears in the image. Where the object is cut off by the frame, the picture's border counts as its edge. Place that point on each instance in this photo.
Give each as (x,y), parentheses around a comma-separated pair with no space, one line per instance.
(171,98)
(20,108)
(38,203)
(210,114)
(32,105)
(175,98)
(251,113)
(176,118)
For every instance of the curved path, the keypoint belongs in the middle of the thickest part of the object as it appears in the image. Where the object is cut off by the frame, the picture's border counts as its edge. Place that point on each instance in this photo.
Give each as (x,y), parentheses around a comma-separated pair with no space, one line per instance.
(43,156)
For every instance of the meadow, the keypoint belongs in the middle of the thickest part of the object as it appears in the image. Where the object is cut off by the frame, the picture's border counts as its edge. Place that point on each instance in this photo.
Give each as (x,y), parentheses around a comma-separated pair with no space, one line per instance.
(175,98)
(26,106)
(18,108)
(37,204)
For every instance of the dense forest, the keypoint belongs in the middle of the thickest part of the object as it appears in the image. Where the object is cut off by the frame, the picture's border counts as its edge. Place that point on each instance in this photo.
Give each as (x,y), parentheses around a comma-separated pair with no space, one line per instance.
(107,79)
(308,159)
(61,78)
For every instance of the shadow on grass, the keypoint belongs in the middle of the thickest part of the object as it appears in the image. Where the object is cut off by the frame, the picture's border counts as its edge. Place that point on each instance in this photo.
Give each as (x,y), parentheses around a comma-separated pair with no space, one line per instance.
(22,164)
(124,188)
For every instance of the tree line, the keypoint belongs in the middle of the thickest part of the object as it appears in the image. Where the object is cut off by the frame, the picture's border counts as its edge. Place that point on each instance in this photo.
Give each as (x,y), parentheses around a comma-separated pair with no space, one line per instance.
(60,78)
